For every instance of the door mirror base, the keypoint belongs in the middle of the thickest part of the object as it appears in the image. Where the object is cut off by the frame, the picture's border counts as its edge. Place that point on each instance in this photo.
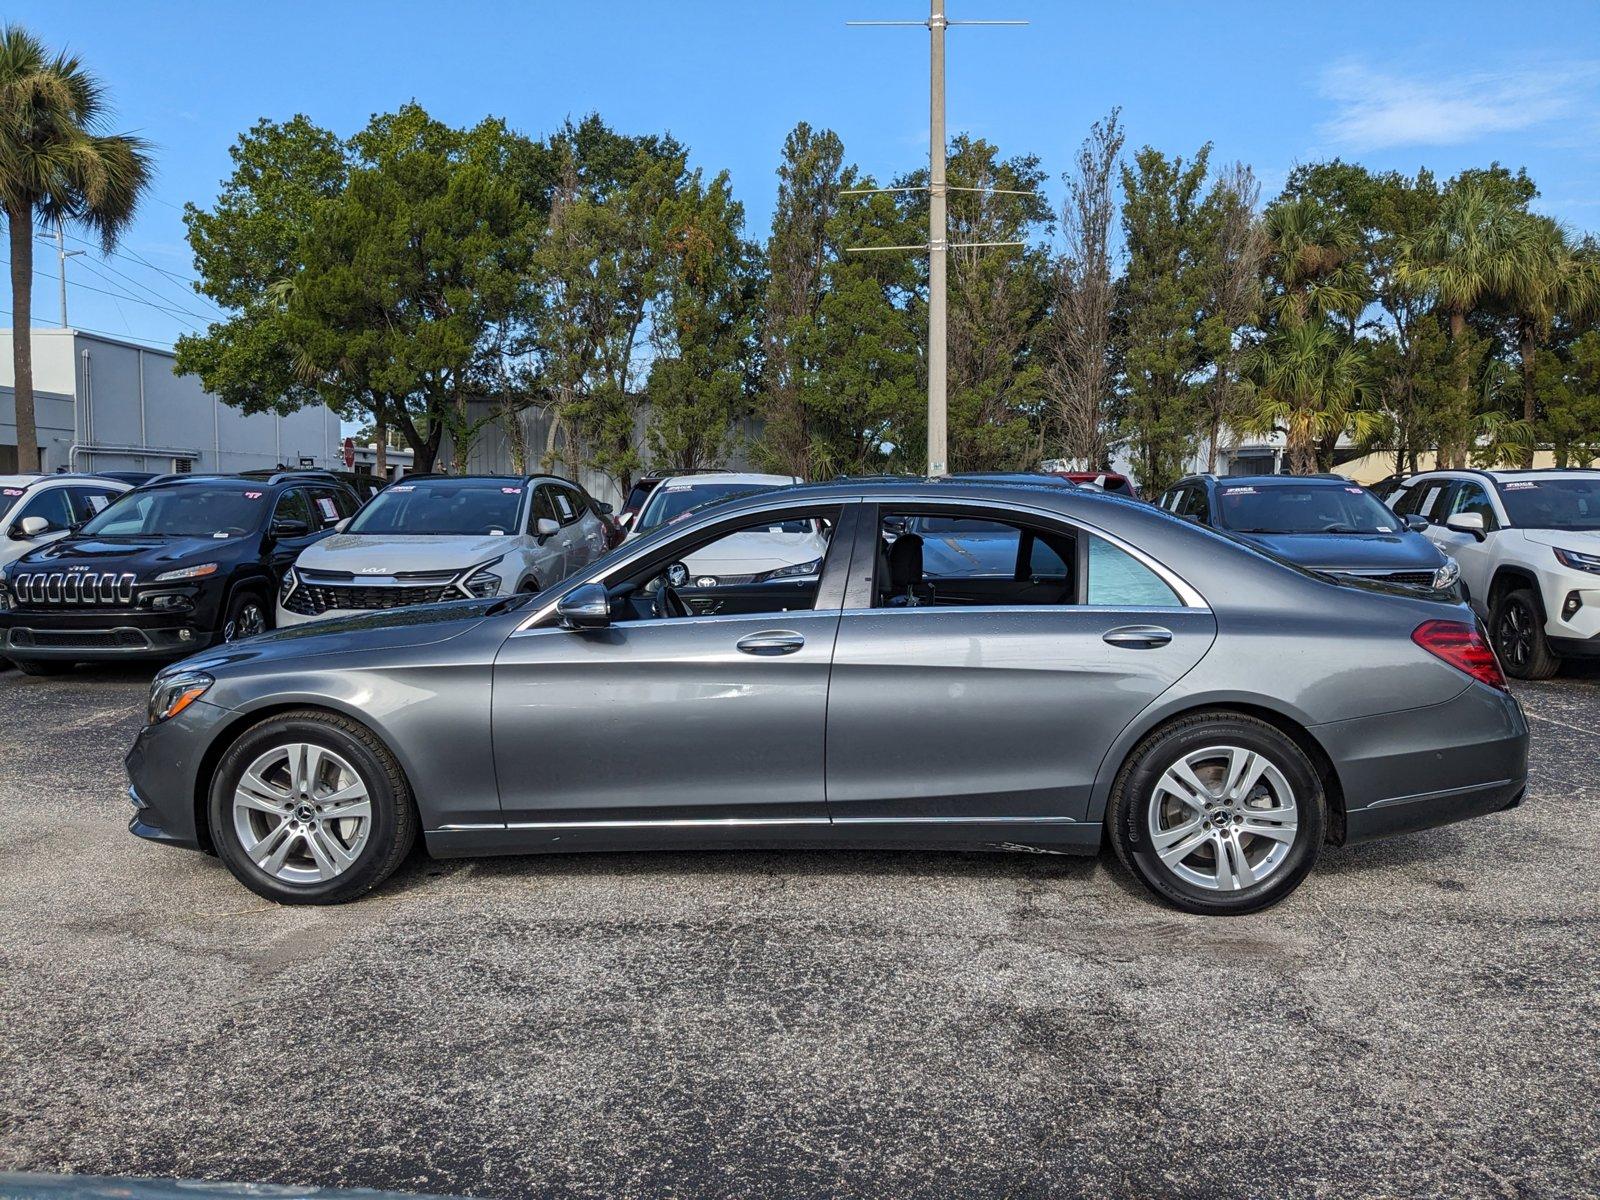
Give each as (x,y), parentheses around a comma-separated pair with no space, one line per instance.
(584,608)
(1467,522)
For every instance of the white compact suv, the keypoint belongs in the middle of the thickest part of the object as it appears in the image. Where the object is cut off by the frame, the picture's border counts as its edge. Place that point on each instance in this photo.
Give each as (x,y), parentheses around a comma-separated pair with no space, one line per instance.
(1529,547)
(37,509)
(788,550)
(430,538)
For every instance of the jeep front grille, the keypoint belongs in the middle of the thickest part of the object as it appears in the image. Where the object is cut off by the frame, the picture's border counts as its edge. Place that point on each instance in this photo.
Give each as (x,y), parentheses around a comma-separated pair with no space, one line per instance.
(73,589)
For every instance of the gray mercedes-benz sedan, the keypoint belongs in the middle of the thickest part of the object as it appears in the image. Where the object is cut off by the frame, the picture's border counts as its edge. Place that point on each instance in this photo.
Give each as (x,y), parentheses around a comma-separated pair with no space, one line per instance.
(975,665)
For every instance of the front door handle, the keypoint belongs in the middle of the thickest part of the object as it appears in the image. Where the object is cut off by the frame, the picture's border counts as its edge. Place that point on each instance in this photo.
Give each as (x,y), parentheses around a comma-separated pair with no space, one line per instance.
(772,642)
(1138,637)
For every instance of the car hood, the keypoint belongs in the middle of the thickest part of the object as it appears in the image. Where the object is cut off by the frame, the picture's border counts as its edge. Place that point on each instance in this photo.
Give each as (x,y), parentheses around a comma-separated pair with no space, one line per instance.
(1586,541)
(393,554)
(755,551)
(1352,551)
(144,556)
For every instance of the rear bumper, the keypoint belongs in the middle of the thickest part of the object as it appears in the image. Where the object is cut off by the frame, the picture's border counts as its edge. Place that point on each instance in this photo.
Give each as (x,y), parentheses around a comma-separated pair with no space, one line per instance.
(1429,766)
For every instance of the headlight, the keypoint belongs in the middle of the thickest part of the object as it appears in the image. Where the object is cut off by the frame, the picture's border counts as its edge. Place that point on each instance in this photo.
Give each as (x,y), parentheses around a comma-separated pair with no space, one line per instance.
(5,596)
(1579,562)
(792,572)
(1447,575)
(171,694)
(199,572)
(481,581)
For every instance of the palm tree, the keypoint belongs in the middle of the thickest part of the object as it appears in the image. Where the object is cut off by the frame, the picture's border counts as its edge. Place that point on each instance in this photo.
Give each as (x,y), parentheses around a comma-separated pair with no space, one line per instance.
(1309,380)
(55,165)
(1476,250)
(1314,258)
(1551,279)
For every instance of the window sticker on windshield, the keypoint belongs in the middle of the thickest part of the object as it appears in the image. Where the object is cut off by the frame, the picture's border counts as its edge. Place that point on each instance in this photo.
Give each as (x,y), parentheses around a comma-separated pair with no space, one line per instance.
(1355,491)
(252,495)
(512,491)
(679,487)
(1384,529)
(1239,491)
(403,487)
(98,503)
(329,512)
(13,491)
(1519,485)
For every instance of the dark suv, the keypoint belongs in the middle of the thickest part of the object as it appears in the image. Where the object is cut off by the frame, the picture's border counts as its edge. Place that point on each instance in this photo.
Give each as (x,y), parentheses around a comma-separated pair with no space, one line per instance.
(1325,522)
(168,569)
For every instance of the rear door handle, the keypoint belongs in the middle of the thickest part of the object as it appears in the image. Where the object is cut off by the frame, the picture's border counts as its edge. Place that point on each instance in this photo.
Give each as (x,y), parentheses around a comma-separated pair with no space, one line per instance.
(1138,637)
(771,642)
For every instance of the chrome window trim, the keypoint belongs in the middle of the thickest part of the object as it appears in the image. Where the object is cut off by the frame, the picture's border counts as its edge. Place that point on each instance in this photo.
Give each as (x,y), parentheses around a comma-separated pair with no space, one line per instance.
(1186,593)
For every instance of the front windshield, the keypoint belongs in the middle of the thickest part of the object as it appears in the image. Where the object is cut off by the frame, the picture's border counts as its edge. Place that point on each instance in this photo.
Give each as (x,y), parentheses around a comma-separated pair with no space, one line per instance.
(8,499)
(671,501)
(1571,502)
(184,510)
(1302,508)
(442,508)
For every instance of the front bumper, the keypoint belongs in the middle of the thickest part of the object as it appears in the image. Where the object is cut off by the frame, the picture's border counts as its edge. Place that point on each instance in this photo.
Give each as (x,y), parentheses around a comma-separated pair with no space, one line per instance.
(1429,766)
(164,773)
(92,636)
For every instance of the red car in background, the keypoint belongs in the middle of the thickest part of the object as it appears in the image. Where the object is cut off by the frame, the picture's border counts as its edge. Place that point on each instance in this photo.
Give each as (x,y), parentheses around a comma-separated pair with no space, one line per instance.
(1107,481)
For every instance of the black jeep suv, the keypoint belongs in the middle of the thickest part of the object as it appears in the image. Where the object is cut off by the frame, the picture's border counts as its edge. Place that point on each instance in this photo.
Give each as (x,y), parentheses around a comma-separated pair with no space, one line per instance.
(168,569)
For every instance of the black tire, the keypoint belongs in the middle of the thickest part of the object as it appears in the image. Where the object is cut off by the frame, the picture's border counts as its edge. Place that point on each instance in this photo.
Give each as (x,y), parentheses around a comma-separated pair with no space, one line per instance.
(1134,794)
(1516,626)
(247,615)
(393,812)
(43,666)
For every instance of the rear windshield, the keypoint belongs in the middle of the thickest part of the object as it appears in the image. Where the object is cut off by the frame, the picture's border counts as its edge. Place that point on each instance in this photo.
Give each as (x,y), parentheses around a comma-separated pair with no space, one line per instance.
(184,510)
(1571,503)
(1304,508)
(442,508)
(671,500)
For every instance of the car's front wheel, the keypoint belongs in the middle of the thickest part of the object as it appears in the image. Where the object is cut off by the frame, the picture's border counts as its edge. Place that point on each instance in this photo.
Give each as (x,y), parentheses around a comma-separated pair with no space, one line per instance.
(1218,813)
(247,616)
(1519,640)
(310,808)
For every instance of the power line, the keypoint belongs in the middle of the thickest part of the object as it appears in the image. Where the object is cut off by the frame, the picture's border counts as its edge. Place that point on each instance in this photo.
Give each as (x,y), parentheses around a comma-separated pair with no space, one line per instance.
(121,252)
(123,295)
(160,302)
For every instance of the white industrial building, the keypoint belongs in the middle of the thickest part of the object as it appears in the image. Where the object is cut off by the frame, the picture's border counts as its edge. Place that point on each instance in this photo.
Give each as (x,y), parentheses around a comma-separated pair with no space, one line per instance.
(104,404)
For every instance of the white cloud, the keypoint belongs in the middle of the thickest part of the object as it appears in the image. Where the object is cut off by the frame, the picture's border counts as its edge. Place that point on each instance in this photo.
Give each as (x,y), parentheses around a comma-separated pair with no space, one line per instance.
(1376,109)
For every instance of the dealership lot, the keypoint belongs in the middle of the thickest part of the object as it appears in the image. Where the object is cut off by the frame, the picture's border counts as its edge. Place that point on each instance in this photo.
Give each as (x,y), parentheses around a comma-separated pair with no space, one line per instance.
(1422,1017)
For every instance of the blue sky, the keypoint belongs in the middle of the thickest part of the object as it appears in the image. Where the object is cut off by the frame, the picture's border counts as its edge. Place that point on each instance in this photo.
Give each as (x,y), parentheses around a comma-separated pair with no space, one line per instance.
(1400,84)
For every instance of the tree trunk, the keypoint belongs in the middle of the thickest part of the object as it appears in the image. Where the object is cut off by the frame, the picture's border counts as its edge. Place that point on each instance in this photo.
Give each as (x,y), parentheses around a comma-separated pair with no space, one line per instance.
(1530,359)
(380,446)
(1458,327)
(20,221)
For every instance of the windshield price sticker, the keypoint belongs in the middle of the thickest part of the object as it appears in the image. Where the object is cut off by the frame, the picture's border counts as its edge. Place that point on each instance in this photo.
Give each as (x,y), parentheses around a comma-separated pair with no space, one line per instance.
(1355,491)
(1519,485)
(681,487)
(13,491)
(98,503)
(1239,491)
(253,495)
(403,487)
(512,491)
(1384,529)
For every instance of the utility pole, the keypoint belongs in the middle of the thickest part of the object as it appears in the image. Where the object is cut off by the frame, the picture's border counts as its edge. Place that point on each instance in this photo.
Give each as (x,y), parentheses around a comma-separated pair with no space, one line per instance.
(938,246)
(62,254)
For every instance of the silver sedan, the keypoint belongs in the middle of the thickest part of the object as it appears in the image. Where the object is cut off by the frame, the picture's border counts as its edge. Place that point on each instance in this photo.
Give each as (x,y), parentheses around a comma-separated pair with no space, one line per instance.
(976,665)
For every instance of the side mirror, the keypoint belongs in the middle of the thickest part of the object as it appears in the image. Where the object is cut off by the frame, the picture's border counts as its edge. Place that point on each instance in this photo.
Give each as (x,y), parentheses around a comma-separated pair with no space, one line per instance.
(341,526)
(544,527)
(604,508)
(586,607)
(625,519)
(290,527)
(1416,524)
(1467,522)
(30,527)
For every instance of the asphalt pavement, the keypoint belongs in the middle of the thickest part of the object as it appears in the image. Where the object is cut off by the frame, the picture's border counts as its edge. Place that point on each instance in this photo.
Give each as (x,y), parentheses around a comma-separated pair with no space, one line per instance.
(1421,1019)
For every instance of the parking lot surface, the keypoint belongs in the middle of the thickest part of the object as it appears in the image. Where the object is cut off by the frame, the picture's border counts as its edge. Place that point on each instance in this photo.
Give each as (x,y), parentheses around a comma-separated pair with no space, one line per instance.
(1421,1018)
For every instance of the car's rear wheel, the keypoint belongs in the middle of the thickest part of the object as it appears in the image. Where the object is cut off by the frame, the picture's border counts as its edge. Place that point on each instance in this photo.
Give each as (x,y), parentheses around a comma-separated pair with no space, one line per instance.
(1519,640)
(1218,813)
(310,808)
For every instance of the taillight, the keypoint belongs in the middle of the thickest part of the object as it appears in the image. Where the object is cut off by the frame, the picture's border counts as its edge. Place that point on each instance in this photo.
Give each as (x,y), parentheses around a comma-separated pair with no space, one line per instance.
(1463,647)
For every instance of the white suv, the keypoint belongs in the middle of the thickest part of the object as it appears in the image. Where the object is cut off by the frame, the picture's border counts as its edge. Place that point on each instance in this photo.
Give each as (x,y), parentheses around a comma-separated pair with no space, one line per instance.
(430,538)
(786,550)
(37,509)
(1529,547)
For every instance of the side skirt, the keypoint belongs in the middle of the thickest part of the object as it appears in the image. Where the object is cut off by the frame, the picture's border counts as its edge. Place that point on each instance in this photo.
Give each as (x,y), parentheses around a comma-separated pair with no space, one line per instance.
(1043,837)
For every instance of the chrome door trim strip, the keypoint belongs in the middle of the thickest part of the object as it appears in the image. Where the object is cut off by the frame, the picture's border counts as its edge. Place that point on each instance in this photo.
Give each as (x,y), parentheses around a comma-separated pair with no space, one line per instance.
(742,822)
(1442,794)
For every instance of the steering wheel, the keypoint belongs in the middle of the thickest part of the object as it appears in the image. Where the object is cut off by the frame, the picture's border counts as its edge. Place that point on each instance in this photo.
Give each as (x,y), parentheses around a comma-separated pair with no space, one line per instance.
(668,603)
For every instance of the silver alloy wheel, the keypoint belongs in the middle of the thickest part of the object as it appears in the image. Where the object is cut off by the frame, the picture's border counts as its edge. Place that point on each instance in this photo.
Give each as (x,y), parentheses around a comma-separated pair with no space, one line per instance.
(1223,818)
(252,619)
(302,813)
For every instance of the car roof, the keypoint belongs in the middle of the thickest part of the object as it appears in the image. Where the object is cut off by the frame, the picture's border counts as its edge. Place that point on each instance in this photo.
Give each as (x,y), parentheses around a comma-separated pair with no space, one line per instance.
(23,481)
(728,477)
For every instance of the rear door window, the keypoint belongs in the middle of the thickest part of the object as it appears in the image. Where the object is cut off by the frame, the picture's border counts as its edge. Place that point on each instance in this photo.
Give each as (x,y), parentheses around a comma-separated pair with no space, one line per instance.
(1119,580)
